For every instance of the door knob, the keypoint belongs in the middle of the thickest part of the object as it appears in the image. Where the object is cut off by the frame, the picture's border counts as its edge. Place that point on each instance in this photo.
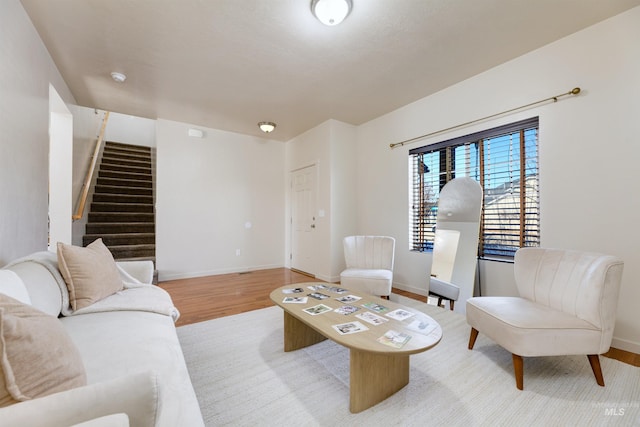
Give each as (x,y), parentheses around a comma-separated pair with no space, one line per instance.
(313,226)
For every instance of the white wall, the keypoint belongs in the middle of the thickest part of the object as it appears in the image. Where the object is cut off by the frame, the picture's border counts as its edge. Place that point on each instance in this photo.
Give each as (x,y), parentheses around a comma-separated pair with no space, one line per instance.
(343,192)
(131,130)
(588,154)
(60,170)
(27,70)
(216,195)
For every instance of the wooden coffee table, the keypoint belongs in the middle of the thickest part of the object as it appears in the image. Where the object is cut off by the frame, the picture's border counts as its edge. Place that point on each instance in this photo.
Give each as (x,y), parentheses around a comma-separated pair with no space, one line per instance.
(377,370)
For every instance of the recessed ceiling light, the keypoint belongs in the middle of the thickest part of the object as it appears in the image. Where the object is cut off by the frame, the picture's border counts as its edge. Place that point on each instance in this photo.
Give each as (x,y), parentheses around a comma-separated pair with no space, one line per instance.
(267,127)
(118,77)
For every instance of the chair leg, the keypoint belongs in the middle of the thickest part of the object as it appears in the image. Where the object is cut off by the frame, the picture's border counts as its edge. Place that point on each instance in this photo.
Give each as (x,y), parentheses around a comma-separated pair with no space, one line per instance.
(451,304)
(594,361)
(472,338)
(440,302)
(518,369)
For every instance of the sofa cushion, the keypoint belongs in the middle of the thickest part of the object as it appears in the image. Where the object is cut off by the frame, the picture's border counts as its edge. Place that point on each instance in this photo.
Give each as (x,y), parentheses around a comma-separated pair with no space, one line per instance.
(90,273)
(37,357)
(150,343)
(113,420)
(370,281)
(530,329)
(11,285)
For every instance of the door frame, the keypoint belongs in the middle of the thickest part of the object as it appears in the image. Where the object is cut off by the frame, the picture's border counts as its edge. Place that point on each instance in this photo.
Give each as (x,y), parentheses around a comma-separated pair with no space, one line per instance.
(316,164)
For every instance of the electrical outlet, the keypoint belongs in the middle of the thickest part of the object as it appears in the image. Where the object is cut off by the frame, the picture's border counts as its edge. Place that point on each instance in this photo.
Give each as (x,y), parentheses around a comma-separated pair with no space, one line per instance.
(237,252)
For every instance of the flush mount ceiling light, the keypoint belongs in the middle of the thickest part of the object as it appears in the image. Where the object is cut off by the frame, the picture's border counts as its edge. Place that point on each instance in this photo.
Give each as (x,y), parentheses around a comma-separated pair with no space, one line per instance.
(118,77)
(267,127)
(331,12)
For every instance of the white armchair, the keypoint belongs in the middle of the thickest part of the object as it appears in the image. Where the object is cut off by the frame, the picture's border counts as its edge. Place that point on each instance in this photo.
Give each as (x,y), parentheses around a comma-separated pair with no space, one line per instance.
(369,262)
(567,305)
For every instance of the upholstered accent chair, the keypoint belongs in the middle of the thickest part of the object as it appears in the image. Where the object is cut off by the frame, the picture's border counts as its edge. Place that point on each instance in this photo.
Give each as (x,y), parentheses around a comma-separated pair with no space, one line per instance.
(369,261)
(567,306)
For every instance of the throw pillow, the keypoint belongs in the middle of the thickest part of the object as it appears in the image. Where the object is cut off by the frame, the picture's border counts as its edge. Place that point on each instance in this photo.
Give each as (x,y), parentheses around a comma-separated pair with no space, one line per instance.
(90,273)
(37,356)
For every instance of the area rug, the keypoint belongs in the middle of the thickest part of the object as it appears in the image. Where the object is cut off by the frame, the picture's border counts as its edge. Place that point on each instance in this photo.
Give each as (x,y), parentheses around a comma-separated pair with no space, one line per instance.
(242,377)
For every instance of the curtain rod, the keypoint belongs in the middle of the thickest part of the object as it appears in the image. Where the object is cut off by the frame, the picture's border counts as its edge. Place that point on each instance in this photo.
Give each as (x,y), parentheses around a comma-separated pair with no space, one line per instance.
(574,91)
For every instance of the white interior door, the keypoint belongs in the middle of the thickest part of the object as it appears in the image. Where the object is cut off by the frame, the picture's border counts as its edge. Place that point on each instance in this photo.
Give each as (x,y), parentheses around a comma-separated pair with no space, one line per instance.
(303,219)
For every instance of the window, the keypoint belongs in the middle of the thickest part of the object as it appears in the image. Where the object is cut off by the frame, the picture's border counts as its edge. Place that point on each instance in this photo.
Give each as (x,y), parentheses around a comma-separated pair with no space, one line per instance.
(505,162)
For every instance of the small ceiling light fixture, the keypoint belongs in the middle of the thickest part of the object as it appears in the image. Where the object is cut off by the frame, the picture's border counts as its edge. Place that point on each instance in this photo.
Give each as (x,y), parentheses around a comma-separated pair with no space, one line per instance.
(118,77)
(331,12)
(267,127)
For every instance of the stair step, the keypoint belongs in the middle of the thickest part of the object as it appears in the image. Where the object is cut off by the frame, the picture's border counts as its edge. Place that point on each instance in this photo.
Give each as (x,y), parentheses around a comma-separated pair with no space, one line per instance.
(122,198)
(121,217)
(135,149)
(121,239)
(143,258)
(126,155)
(130,251)
(124,227)
(122,210)
(123,190)
(124,161)
(117,182)
(128,147)
(124,168)
(126,175)
(121,207)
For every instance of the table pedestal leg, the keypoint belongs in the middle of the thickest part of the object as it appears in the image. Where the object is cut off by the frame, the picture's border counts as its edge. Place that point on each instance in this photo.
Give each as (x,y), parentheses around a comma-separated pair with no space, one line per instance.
(374,377)
(299,335)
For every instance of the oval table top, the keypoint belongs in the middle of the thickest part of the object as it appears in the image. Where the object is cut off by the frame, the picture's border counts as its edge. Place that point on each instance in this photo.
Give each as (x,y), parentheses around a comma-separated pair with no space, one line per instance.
(423,331)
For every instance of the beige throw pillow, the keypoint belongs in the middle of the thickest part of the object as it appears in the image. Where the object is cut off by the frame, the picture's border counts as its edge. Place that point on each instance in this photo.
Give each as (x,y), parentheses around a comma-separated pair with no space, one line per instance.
(90,273)
(37,356)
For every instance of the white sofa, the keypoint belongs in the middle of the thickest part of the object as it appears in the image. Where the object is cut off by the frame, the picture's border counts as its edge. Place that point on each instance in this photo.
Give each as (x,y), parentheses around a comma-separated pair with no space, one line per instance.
(135,370)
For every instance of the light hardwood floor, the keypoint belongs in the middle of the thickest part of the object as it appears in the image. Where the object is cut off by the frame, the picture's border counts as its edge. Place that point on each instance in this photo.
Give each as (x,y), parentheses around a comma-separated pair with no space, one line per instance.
(209,297)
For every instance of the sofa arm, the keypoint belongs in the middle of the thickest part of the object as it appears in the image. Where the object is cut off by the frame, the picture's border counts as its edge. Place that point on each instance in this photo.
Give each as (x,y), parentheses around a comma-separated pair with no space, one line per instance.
(141,271)
(135,395)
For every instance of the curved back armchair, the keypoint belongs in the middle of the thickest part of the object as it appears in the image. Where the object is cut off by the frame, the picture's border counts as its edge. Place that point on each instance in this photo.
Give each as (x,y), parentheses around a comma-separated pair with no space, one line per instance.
(567,305)
(369,261)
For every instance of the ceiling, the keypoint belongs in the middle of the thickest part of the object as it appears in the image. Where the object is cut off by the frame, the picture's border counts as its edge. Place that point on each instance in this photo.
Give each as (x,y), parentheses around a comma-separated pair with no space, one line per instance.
(228,64)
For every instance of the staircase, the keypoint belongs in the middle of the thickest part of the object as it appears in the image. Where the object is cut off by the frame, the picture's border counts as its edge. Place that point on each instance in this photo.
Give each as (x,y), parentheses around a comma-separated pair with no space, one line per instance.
(122,211)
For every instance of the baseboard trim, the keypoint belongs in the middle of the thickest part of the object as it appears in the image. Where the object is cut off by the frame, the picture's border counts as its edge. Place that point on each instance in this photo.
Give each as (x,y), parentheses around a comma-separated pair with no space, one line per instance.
(409,288)
(626,345)
(164,275)
(328,279)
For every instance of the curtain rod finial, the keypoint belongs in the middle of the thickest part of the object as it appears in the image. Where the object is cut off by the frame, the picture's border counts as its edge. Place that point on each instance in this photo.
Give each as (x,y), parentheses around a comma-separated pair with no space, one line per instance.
(575,91)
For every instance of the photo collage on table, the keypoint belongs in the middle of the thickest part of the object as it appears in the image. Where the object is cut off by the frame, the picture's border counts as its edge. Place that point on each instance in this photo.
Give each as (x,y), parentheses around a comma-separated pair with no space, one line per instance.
(367,312)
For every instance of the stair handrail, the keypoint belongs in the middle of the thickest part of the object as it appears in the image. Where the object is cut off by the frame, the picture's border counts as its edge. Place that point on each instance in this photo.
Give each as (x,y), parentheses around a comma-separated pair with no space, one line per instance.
(82,201)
